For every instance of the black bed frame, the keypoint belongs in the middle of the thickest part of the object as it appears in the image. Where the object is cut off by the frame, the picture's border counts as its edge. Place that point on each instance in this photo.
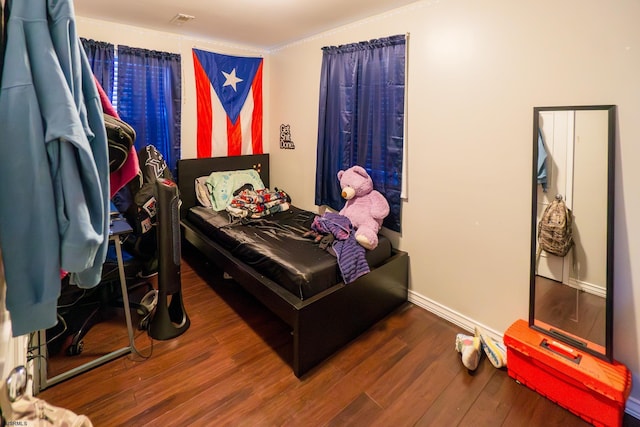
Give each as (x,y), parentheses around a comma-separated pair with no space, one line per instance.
(321,324)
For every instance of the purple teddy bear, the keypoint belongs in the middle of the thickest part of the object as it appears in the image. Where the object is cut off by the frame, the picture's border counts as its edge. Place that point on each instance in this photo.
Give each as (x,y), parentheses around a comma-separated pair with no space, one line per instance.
(365,207)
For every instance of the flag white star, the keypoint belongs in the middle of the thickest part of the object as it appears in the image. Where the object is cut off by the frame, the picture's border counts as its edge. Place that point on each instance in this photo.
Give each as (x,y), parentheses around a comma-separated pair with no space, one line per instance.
(231,79)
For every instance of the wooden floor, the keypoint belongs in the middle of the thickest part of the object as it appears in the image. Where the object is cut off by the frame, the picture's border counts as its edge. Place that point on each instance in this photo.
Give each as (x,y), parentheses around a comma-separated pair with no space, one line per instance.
(230,368)
(571,310)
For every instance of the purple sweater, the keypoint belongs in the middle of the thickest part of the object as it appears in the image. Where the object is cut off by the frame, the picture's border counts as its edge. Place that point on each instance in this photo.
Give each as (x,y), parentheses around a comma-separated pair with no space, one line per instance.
(350,255)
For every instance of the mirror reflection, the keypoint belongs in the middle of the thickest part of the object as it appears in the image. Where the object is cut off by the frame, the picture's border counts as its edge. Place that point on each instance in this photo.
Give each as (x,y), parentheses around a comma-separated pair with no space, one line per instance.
(573,163)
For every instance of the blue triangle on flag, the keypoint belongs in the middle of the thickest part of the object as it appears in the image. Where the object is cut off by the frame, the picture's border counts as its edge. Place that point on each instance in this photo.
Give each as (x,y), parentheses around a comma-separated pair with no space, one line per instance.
(231,78)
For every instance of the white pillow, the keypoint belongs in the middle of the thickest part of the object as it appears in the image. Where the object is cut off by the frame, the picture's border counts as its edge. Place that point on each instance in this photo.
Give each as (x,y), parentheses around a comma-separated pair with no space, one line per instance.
(222,185)
(202,192)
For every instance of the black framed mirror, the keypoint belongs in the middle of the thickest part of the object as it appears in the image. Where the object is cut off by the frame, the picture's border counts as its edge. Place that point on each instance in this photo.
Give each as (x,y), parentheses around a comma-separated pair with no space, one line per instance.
(571,296)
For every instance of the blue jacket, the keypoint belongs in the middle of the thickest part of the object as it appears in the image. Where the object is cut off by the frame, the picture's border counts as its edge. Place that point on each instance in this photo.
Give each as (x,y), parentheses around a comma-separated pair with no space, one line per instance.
(54,209)
(542,163)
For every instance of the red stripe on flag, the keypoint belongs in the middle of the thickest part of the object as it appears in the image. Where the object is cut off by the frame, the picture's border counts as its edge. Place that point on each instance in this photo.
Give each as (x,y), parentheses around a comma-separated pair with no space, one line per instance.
(256,119)
(204,111)
(234,137)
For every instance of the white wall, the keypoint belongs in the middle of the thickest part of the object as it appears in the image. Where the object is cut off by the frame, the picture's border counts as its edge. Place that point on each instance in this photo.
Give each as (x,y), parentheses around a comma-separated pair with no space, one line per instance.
(476,70)
(590,198)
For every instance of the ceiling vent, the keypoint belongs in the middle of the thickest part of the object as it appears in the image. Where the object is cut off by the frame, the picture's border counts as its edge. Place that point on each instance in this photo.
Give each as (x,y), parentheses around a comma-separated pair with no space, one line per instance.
(181,18)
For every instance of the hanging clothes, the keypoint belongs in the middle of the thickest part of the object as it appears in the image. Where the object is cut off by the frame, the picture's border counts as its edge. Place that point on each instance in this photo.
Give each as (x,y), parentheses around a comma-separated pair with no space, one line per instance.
(131,168)
(542,163)
(54,201)
(2,36)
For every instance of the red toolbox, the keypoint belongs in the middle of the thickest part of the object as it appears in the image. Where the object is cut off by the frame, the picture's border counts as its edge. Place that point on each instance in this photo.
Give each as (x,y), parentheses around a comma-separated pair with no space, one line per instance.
(590,387)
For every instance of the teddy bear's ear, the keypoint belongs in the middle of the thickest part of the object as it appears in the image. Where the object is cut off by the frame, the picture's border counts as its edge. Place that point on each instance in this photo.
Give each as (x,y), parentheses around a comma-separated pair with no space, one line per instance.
(340,173)
(360,171)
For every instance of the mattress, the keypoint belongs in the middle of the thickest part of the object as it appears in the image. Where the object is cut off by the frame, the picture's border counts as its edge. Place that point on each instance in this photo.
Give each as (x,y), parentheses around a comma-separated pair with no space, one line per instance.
(275,247)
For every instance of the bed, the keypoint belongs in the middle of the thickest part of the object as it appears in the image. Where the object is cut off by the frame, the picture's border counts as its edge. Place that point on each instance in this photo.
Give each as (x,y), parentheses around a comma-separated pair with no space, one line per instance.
(323,317)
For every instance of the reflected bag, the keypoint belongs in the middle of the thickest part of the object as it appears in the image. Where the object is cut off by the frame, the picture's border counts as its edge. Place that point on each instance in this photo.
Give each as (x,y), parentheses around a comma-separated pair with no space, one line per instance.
(120,138)
(555,234)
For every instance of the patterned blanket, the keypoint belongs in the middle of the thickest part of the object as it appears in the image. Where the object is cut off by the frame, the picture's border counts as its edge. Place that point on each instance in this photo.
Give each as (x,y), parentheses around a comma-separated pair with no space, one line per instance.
(251,203)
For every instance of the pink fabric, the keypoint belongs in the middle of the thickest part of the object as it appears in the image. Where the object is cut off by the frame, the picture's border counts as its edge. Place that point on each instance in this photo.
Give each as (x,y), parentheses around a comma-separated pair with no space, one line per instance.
(104,99)
(131,168)
(126,173)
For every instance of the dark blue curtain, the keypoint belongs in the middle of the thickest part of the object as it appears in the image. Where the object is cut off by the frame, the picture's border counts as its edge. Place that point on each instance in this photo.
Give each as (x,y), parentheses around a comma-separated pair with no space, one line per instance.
(101,57)
(361,119)
(150,99)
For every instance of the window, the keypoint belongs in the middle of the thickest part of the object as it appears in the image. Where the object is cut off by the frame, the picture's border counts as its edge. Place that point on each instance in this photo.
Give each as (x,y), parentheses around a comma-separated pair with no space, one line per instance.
(361,119)
(145,88)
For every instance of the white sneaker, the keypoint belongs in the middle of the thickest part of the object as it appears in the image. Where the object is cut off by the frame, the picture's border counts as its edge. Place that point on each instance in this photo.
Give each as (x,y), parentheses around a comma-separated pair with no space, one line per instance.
(469,347)
(495,351)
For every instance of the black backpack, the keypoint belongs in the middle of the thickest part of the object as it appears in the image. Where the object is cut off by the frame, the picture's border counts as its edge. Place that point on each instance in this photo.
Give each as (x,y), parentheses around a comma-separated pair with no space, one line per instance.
(555,234)
(120,138)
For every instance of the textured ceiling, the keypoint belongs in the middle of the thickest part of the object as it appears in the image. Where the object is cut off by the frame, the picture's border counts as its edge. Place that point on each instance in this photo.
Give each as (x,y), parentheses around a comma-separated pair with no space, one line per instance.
(264,24)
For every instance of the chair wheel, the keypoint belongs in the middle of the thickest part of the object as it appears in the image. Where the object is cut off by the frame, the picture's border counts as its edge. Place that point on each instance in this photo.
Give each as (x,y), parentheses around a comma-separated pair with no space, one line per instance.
(75,349)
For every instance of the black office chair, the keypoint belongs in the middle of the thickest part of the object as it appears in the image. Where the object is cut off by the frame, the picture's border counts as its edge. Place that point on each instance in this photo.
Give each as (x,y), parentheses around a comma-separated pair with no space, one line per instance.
(81,309)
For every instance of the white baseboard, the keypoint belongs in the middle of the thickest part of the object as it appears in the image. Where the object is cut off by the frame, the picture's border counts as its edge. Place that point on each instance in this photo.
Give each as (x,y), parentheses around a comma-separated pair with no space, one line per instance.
(590,288)
(451,316)
(468,324)
(633,407)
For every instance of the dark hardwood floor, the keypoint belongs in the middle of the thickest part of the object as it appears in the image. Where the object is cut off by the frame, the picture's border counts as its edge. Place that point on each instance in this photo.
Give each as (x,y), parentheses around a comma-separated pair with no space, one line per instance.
(230,368)
(568,309)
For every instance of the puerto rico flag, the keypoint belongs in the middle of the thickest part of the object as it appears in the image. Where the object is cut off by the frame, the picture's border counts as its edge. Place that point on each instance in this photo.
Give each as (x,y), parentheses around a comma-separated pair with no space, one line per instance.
(229,104)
